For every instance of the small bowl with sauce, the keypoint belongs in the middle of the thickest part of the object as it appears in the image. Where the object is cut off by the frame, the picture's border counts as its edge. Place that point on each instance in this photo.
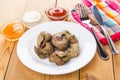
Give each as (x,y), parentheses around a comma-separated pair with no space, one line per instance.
(31,18)
(56,13)
(12,31)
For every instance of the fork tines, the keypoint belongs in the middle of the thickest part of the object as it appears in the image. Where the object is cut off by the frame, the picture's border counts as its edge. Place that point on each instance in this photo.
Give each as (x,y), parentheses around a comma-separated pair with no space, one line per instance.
(82,12)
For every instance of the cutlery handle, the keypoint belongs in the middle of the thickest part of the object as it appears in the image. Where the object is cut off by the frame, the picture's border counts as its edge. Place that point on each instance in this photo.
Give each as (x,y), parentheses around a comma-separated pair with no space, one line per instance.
(112,46)
(101,50)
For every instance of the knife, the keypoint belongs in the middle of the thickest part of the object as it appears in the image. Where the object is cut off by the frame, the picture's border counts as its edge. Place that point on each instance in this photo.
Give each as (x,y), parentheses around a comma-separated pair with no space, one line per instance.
(101,50)
(98,17)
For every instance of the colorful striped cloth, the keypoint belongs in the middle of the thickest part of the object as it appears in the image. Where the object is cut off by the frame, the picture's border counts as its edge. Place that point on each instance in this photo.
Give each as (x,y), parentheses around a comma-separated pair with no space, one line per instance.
(110,24)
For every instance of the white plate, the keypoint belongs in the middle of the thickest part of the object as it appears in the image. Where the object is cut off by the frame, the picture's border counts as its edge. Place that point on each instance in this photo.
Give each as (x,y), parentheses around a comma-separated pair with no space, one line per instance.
(25,48)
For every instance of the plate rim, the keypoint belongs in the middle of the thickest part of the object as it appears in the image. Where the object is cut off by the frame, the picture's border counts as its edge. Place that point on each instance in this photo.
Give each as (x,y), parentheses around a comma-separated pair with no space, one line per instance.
(49,72)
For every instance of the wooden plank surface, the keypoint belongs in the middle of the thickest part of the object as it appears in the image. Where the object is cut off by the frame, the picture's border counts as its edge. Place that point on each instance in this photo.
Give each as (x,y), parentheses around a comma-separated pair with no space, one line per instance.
(116,58)
(9,10)
(18,69)
(116,62)
(5,53)
(100,69)
(97,69)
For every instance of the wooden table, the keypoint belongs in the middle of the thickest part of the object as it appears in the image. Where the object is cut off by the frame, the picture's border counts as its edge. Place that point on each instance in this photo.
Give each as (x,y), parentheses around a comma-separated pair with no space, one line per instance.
(12,69)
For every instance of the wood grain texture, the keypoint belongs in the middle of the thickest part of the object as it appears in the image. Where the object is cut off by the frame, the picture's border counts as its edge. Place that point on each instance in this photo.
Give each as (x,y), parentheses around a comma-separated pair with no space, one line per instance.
(70,76)
(22,72)
(98,69)
(116,58)
(17,71)
(6,48)
(116,62)
(9,10)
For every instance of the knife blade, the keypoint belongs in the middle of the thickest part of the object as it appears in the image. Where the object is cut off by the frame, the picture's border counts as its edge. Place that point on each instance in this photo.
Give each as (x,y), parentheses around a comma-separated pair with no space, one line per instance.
(98,17)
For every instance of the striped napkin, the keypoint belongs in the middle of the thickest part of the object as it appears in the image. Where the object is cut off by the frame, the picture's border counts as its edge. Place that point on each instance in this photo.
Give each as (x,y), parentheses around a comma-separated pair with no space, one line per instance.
(112,27)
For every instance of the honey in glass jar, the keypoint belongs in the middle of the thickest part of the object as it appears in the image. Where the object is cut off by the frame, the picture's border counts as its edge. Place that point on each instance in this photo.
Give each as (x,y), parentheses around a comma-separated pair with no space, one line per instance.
(13,30)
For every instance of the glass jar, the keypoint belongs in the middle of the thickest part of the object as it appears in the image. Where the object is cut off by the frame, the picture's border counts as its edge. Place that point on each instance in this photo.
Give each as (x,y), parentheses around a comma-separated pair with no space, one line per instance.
(56,13)
(31,18)
(12,31)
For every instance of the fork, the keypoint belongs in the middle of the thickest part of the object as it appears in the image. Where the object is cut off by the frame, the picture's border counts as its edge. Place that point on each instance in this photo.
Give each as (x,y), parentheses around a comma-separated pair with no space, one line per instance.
(85,20)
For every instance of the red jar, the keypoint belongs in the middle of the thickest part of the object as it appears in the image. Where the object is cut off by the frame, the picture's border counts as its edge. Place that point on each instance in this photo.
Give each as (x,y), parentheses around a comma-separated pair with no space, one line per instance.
(57,13)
